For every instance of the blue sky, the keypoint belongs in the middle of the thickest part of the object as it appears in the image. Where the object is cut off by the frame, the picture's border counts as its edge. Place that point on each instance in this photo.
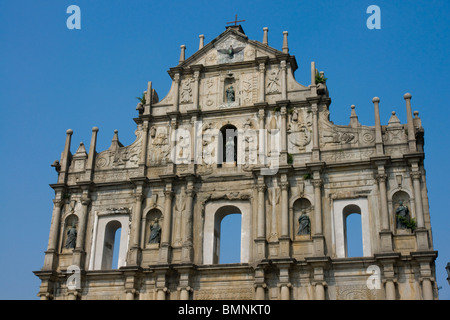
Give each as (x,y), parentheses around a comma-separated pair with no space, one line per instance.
(53,78)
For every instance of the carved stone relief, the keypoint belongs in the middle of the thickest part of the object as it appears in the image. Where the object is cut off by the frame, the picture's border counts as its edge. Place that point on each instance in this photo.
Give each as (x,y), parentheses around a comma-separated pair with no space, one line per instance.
(159,150)
(186,90)
(299,130)
(123,157)
(230,50)
(355,292)
(249,86)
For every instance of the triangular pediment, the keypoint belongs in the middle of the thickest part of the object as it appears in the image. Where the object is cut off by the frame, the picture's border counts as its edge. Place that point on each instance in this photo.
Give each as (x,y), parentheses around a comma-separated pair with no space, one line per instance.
(229,47)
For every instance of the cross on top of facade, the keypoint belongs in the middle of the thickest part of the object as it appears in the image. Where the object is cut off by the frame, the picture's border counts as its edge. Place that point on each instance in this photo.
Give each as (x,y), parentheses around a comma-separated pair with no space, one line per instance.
(235,21)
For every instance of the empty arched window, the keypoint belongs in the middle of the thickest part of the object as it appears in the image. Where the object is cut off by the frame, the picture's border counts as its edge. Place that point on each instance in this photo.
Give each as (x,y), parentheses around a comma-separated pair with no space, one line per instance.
(216,238)
(230,239)
(111,245)
(228,142)
(353,231)
(351,227)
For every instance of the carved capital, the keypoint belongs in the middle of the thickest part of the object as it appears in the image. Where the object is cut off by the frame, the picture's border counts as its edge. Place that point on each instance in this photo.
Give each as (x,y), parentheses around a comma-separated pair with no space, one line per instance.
(58,202)
(261,187)
(317,183)
(261,114)
(168,194)
(189,192)
(284,185)
(85,201)
(415,175)
(381,178)
(138,197)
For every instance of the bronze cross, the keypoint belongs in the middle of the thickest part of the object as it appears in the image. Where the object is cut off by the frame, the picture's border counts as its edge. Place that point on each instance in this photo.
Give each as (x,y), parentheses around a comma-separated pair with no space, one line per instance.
(235,21)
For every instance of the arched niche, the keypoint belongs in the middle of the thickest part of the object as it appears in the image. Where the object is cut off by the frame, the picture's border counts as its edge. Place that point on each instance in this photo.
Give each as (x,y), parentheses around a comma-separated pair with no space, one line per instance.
(228,146)
(302,217)
(152,217)
(68,242)
(403,198)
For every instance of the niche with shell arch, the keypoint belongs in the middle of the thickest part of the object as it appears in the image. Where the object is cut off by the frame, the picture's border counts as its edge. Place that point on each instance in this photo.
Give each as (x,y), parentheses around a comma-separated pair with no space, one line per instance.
(406,200)
(151,217)
(302,208)
(69,221)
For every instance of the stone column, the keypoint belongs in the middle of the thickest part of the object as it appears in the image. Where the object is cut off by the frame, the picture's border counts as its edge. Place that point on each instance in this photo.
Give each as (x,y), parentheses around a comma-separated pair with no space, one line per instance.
(184,288)
(260,285)
(186,256)
(261,187)
(79,251)
(50,254)
(315,137)
(313,86)
(317,183)
(262,80)
(135,232)
(427,289)
(285,42)
(416,175)
(176,80)
(285,241)
(265,36)
(193,143)
(167,225)
(318,238)
(260,291)
(260,240)
(378,136)
(285,285)
(201,42)
(410,124)
(283,80)
(385,232)
(144,146)
(390,289)
(65,159)
(91,156)
(284,208)
(283,130)
(381,178)
(262,137)
(182,53)
(196,86)
(421,232)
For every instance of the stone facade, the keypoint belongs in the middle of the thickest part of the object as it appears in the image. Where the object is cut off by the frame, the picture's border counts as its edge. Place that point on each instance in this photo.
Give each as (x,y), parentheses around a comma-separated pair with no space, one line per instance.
(292,174)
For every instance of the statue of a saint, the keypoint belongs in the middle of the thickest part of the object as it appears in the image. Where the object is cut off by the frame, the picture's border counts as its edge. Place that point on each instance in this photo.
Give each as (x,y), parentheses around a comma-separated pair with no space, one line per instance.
(155,232)
(229,149)
(71,240)
(402,214)
(230,94)
(304,225)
